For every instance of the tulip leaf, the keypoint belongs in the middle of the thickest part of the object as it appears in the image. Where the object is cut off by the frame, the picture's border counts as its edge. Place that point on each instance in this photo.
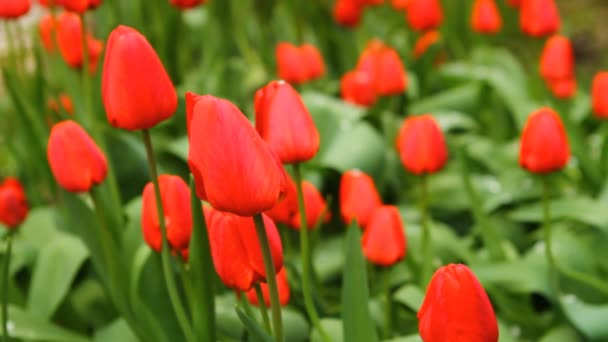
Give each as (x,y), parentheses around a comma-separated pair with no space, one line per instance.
(520,276)
(257,333)
(333,328)
(25,327)
(410,295)
(358,324)
(410,338)
(590,319)
(562,333)
(116,331)
(462,98)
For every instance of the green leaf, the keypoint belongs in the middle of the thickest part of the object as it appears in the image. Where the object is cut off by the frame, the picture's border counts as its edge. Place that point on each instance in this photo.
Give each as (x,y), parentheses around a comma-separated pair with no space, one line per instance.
(520,276)
(25,327)
(334,329)
(410,338)
(410,295)
(561,333)
(462,98)
(58,264)
(357,319)
(590,319)
(256,332)
(116,331)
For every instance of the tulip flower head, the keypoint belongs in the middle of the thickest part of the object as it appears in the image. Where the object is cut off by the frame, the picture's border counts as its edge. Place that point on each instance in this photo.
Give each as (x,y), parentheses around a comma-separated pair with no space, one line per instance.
(46,30)
(421,145)
(78,6)
(544,145)
(76,161)
(348,12)
(299,64)
(316,207)
(282,286)
(287,207)
(384,66)
(425,42)
(13,9)
(539,18)
(69,40)
(186,4)
(557,66)
(423,15)
(358,197)
(13,203)
(384,242)
(357,87)
(599,95)
(486,17)
(456,308)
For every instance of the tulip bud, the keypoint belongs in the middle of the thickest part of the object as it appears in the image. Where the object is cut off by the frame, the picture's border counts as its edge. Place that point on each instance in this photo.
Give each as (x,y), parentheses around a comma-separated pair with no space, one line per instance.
(425,41)
(137,92)
(316,207)
(13,203)
(78,6)
(357,87)
(287,207)
(539,18)
(348,12)
(562,88)
(424,15)
(175,196)
(384,241)
(69,39)
(358,197)
(290,64)
(421,145)
(400,4)
(76,161)
(186,4)
(313,61)
(599,95)
(384,66)
(13,9)
(46,29)
(456,308)
(282,286)
(544,144)
(486,18)
(557,59)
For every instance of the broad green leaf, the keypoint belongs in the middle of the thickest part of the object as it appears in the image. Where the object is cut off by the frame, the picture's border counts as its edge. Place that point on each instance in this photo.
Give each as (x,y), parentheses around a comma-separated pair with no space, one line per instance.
(410,295)
(520,276)
(256,332)
(562,333)
(462,98)
(410,338)
(590,319)
(116,331)
(328,258)
(333,327)
(25,327)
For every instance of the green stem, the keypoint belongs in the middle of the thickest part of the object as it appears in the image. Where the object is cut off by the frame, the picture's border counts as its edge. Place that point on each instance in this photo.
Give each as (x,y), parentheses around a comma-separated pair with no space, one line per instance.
(176,301)
(305,253)
(185,278)
(553,276)
(86,82)
(262,306)
(388,309)
(271,279)
(427,251)
(5,274)
(10,43)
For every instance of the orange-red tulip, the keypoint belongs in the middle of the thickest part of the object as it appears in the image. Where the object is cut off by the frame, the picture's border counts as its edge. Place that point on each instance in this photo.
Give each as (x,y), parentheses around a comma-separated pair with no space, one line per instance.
(316,207)
(486,17)
(287,207)
(557,59)
(384,66)
(539,18)
(384,242)
(78,6)
(236,251)
(421,145)
(599,95)
(234,169)
(563,88)
(13,203)
(282,286)
(456,308)
(544,145)
(69,39)
(424,15)
(298,64)
(186,4)
(348,12)
(313,60)
(400,4)
(137,92)
(175,196)
(76,161)
(425,41)
(282,120)
(357,87)
(13,9)
(358,197)
(46,29)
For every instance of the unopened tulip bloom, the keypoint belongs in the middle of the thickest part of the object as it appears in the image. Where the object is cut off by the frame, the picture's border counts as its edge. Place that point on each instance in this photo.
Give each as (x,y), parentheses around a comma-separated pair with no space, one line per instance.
(358,197)
(557,59)
(539,18)
(236,251)
(313,60)
(78,6)
(175,196)
(486,17)
(13,203)
(424,15)
(599,94)
(186,4)
(421,145)
(13,9)
(282,285)
(544,144)
(46,29)
(76,161)
(357,87)
(456,308)
(384,242)
(298,64)
(137,91)
(316,207)
(425,41)
(287,207)
(69,39)
(563,88)
(283,121)
(348,12)
(385,68)
(234,169)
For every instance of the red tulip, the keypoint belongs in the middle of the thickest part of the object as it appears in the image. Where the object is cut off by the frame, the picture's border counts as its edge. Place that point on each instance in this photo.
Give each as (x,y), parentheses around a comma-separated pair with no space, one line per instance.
(46,29)
(599,95)
(563,89)
(315,207)
(69,39)
(313,60)
(400,4)
(539,18)
(384,66)
(358,197)
(13,9)
(298,64)
(544,144)
(425,41)
(13,203)
(186,4)
(175,196)
(234,169)
(424,15)
(76,161)
(384,241)
(348,12)
(137,92)
(46,3)
(78,6)
(236,251)
(283,121)
(421,145)
(357,87)
(282,286)
(557,59)
(486,17)
(456,308)
(287,207)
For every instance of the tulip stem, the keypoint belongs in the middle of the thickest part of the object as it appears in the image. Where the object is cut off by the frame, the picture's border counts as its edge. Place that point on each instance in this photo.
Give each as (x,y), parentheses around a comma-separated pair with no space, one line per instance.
(86,82)
(427,252)
(262,306)
(388,310)
(176,301)
(306,257)
(11,47)
(5,275)
(553,277)
(271,279)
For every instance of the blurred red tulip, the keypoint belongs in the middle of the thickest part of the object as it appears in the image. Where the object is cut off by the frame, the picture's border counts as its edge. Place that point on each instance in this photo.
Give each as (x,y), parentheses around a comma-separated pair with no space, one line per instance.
(348,12)
(563,88)
(76,161)
(282,286)
(357,87)
(316,207)
(137,92)
(400,4)
(69,39)
(425,41)
(13,9)
(421,145)
(234,169)
(358,197)
(78,6)
(424,15)
(66,104)
(557,59)
(539,18)
(456,308)
(46,3)
(384,242)
(384,66)
(313,60)
(287,207)
(298,65)
(282,120)
(175,195)
(599,95)
(13,203)
(544,143)
(236,251)
(46,29)
(486,17)
(186,4)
